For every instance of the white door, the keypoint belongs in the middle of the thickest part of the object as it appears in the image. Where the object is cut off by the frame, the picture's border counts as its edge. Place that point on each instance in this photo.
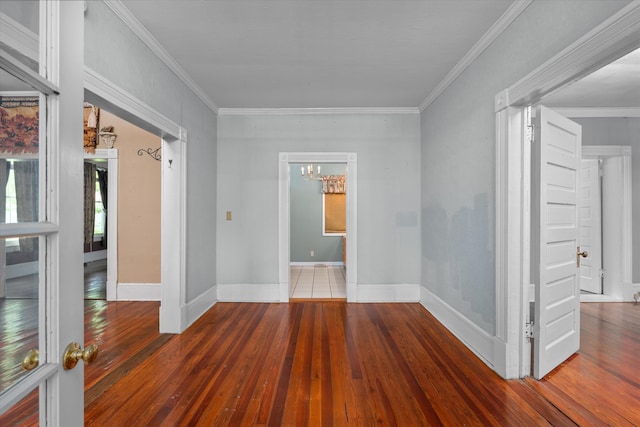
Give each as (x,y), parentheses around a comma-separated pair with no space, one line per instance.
(43,72)
(555,239)
(590,226)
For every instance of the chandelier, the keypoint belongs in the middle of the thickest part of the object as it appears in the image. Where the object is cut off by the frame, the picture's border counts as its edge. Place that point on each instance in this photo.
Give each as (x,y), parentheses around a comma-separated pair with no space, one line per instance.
(310,174)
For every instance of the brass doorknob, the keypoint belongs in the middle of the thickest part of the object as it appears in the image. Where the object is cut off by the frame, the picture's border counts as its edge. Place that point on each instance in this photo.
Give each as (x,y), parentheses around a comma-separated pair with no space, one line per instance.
(74,352)
(579,254)
(31,360)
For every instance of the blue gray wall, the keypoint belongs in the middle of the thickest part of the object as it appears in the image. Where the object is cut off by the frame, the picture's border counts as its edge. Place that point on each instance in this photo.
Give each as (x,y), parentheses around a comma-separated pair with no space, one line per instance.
(388,180)
(305,218)
(620,131)
(115,52)
(458,153)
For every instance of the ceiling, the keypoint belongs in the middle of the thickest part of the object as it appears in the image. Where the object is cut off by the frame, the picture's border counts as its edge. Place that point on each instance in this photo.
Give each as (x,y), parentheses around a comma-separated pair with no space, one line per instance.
(317,53)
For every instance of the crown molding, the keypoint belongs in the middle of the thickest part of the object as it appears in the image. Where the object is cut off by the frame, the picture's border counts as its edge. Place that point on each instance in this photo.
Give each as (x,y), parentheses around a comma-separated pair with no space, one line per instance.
(579,112)
(118,99)
(496,29)
(314,111)
(606,42)
(18,37)
(152,43)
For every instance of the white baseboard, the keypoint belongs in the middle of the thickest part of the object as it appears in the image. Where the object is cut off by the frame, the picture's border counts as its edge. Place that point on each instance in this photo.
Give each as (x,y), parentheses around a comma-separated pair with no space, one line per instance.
(313,264)
(95,256)
(22,269)
(476,339)
(138,291)
(598,298)
(196,308)
(388,293)
(249,293)
(629,291)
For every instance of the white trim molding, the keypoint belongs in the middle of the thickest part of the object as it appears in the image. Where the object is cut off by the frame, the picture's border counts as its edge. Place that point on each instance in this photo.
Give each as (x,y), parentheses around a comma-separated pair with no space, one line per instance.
(485,41)
(20,38)
(314,111)
(476,339)
(173,234)
(101,91)
(196,308)
(389,293)
(613,38)
(284,160)
(22,269)
(138,291)
(317,264)
(152,43)
(249,292)
(586,112)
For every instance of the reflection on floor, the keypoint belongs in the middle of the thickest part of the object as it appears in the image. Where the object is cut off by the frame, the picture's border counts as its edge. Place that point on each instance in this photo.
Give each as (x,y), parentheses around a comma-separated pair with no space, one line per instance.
(95,280)
(95,283)
(19,317)
(319,281)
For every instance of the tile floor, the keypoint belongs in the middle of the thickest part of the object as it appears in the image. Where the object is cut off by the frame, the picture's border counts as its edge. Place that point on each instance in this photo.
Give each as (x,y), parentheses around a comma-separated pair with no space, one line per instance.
(319,281)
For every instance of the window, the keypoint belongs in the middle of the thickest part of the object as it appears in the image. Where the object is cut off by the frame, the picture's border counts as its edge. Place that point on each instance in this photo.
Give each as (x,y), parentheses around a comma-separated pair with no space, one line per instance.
(334,214)
(11,207)
(100,214)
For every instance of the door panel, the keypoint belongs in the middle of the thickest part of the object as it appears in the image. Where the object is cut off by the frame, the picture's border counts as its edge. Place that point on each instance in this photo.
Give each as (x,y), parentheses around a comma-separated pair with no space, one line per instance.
(49,392)
(555,239)
(590,226)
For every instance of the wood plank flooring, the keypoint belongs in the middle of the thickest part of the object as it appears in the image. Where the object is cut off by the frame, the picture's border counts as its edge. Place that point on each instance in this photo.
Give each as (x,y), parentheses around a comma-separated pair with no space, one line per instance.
(332,363)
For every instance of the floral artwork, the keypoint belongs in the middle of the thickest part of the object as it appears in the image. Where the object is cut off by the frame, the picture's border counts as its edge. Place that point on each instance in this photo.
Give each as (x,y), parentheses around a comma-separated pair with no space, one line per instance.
(19,127)
(91,129)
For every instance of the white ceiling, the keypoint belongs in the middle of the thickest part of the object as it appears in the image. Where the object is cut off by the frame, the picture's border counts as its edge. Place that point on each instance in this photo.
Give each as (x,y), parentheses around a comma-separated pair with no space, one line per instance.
(317,53)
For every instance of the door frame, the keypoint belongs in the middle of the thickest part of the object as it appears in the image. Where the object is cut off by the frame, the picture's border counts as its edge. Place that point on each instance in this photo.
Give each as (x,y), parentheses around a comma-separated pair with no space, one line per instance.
(615,37)
(617,245)
(112,217)
(284,255)
(101,92)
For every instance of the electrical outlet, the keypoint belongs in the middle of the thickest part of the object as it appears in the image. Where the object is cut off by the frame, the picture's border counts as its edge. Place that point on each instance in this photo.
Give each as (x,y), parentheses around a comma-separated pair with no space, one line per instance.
(228,215)
(312,253)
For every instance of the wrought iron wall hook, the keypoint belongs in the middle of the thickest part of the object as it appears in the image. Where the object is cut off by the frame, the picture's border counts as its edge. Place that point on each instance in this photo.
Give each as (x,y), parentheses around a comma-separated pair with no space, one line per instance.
(154,154)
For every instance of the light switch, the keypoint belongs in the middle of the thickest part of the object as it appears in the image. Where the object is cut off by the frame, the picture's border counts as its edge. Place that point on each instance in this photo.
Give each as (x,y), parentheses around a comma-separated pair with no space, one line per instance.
(228,215)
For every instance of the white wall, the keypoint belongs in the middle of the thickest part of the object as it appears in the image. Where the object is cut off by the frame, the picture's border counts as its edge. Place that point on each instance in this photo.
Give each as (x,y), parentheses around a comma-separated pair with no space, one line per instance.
(388,149)
(115,52)
(458,154)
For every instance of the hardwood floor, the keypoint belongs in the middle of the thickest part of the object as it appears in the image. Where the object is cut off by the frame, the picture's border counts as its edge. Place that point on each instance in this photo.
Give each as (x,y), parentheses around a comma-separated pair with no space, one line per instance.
(332,363)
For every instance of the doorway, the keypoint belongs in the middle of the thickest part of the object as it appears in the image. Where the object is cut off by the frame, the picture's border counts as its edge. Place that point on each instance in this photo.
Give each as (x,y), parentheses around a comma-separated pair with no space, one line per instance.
(318,230)
(286,169)
(616,222)
(608,42)
(104,94)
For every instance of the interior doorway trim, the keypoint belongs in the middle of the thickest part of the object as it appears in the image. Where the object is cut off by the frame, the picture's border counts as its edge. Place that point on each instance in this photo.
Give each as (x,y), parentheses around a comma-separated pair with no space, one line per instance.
(616,36)
(285,159)
(174,316)
(617,245)
(112,217)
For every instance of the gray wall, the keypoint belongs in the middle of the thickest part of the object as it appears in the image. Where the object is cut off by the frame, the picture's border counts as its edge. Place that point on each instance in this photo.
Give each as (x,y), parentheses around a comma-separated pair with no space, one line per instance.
(458,153)
(305,218)
(620,131)
(388,149)
(26,13)
(113,51)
